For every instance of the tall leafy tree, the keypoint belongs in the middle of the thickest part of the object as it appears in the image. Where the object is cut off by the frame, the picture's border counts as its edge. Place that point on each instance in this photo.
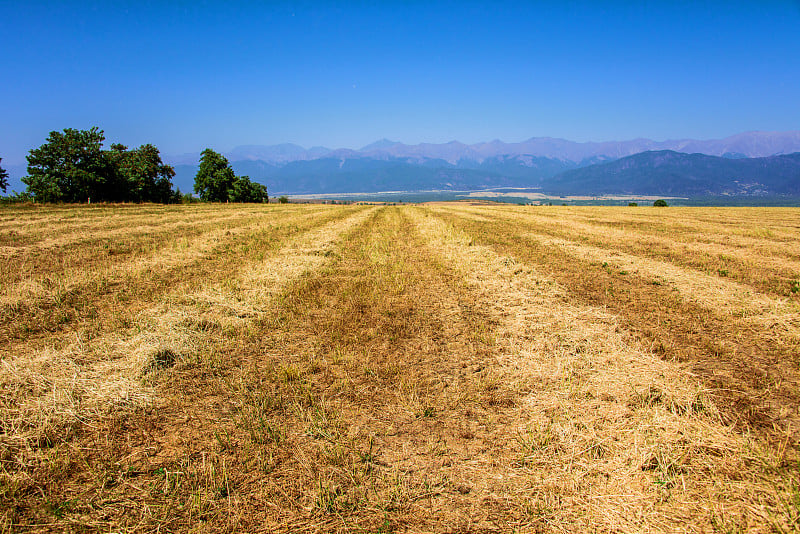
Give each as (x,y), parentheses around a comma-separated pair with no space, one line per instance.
(69,167)
(214,179)
(72,167)
(246,191)
(3,178)
(141,176)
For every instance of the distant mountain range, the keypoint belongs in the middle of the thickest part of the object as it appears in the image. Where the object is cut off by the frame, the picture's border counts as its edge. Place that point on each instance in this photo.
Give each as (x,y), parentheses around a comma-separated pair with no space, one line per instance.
(751,163)
(743,164)
(748,144)
(670,173)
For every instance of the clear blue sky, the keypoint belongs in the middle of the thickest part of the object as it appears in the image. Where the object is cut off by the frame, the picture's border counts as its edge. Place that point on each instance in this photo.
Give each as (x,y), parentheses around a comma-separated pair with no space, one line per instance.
(185,75)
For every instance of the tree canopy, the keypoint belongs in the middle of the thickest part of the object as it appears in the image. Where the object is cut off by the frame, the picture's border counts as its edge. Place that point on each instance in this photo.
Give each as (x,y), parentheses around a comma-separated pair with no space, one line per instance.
(69,167)
(216,182)
(72,167)
(141,173)
(3,178)
(246,191)
(214,178)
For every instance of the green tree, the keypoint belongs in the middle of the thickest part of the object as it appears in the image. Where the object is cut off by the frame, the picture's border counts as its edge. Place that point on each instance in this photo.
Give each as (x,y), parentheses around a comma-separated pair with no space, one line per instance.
(246,191)
(660,203)
(69,167)
(214,179)
(141,176)
(3,178)
(72,167)
(283,199)
(215,182)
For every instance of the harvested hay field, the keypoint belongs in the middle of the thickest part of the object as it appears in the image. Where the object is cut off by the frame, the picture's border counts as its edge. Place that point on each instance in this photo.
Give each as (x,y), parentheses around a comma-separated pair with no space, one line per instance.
(433,368)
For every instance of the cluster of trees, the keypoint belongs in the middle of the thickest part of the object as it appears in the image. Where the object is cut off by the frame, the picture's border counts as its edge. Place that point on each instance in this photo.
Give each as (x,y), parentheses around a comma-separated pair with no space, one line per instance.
(72,166)
(216,182)
(3,178)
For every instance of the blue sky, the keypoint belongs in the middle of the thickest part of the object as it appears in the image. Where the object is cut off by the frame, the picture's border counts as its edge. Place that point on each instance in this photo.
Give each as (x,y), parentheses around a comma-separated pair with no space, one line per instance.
(188,74)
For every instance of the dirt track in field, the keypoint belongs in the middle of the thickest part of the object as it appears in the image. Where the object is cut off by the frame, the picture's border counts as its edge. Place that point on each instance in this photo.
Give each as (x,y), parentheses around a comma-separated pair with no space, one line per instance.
(442,368)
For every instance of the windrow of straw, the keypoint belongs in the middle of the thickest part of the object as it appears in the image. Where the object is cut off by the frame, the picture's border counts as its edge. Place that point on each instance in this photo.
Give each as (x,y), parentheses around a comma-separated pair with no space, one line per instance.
(446,368)
(610,437)
(47,390)
(769,265)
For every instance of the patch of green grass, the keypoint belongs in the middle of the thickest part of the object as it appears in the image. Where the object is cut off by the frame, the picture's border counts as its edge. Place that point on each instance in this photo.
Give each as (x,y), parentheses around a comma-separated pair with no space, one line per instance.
(62,508)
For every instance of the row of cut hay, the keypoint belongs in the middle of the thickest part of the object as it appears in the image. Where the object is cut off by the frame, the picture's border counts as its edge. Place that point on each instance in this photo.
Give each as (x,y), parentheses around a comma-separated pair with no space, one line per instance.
(738,302)
(746,230)
(103,306)
(366,378)
(93,252)
(733,226)
(145,235)
(781,255)
(716,292)
(177,250)
(752,369)
(610,437)
(722,295)
(46,391)
(74,216)
(764,269)
(725,221)
(54,233)
(50,235)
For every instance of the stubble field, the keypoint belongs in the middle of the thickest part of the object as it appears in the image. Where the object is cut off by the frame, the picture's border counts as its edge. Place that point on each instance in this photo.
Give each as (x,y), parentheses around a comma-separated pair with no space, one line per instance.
(433,368)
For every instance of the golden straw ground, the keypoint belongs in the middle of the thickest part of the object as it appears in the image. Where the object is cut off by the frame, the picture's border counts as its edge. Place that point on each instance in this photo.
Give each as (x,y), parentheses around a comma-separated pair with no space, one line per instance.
(397,369)
(607,429)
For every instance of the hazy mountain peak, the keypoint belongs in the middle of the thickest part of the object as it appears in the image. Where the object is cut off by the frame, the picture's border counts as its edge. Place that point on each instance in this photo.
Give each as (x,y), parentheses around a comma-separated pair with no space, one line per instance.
(642,166)
(669,172)
(281,152)
(746,144)
(380,144)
